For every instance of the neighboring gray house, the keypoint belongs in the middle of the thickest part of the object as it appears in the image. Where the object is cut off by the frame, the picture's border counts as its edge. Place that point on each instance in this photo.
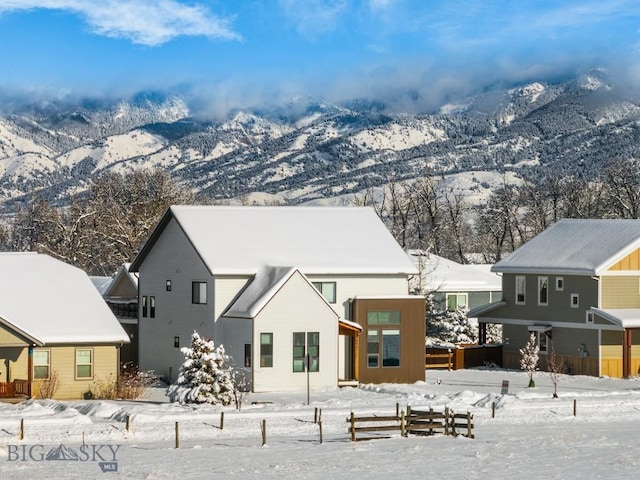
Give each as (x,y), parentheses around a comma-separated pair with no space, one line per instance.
(576,287)
(453,285)
(272,284)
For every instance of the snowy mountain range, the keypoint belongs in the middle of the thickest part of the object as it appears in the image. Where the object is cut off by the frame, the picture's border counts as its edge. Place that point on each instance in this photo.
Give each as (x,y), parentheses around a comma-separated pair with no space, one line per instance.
(306,151)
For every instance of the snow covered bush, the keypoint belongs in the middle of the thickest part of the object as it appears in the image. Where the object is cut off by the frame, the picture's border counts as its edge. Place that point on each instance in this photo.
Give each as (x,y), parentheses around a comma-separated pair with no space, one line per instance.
(131,384)
(205,376)
(529,358)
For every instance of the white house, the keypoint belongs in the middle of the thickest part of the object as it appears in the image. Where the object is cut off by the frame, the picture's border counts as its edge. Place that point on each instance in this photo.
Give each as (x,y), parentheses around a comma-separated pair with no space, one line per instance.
(272,284)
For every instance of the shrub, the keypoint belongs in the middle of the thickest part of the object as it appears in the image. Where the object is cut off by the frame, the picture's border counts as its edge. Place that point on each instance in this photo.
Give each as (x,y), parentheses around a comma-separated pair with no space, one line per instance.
(131,385)
(46,388)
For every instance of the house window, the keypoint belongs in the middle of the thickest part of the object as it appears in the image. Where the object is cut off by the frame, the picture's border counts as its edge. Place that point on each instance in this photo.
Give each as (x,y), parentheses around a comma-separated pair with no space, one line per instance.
(589,317)
(383,343)
(247,355)
(303,344)
(145,307)
(266,349)
(521,284)
(168,285)
(390,348)
(176,341)
(41,364)
(327,289)
(559,284)
(373,355)
(199,292)
(543,291)
(383,318)
(543,342)
(152,307)
(84,363)
(575,300)
(456,300)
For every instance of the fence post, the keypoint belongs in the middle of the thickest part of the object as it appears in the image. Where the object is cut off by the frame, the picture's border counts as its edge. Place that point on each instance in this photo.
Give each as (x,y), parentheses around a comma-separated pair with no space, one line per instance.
(177,436)
(397,410)
(128,422)
(403,432)
(320,415)
(446,420)
(221,420)
(469,418)
(22,429)
(315,415)
(320,425)
(493,410)
(431,419)
(574,407)
(353,427)
(263,427)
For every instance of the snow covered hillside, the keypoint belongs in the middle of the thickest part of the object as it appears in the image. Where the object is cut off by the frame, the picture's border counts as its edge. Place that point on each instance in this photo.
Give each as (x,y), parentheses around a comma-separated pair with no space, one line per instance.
(532,435)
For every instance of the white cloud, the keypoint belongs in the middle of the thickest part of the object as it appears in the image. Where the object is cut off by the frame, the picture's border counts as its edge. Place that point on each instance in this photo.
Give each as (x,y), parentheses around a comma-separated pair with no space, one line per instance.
(314,17)
(146,22)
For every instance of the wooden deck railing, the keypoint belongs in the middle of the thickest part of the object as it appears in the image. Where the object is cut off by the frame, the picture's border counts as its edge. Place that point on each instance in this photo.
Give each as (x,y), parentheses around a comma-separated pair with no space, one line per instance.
(13,389)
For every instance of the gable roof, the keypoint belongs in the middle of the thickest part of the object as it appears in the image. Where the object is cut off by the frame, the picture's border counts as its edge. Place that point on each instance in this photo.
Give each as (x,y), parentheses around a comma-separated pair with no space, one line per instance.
(444,275)
(264,286)
(318,240)
(49,301)
(574,247)
(123,280)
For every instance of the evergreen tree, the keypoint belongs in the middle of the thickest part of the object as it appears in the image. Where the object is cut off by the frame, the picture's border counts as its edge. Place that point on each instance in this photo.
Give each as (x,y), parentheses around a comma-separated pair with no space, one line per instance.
(205,376)
(529,358)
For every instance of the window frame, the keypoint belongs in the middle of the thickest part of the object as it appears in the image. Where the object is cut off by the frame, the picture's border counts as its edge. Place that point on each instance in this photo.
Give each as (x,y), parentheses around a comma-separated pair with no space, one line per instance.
(90,364)
(197,292)
(266,358)
(458,304)
(539,336)
(152,306)
(168,285)
(176,341)
(575,304)
(396,333)
(543,287)
(320,286)
(47,365)
(559,284)
(247,355)
(520,281)
(145,306)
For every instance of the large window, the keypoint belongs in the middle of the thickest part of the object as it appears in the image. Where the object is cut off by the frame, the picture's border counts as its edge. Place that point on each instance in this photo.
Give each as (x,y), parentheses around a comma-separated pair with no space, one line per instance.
(266,349)
(306,343)
(543,291)
(84,363)
(385,344)
(521,285)
(199,292)
(456,300)
(41,364)
(327,289)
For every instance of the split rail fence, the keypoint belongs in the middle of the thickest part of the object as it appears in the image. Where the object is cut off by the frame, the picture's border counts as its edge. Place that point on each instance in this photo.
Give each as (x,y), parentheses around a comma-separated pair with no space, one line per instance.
(416,422)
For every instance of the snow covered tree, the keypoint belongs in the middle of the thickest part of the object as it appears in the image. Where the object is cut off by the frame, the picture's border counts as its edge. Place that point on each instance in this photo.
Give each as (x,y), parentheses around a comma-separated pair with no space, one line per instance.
(205,376)
(529,358)
(453,327)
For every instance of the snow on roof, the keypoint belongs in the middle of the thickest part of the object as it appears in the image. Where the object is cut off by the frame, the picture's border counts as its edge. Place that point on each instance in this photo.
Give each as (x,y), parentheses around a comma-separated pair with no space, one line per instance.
(262,288)
(102,284)
(317,240)
(623,317)
(444,275)
(123,274)
(574,247)
(53,302)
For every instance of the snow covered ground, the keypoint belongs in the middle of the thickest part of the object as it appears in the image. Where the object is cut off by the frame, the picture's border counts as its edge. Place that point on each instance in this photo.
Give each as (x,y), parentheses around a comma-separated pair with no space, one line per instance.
(531,436)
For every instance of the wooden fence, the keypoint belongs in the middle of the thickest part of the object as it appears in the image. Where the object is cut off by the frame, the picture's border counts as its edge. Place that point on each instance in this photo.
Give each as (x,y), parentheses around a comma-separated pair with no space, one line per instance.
(14,389)
(463,356)
(417,422)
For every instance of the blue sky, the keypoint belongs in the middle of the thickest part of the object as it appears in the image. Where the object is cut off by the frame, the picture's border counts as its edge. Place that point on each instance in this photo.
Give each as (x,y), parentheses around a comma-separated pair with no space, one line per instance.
(237,53)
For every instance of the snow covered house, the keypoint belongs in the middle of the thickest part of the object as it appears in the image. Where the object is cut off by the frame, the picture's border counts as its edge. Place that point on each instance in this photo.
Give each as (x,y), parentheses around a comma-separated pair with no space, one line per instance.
(453,285)
(53,323)
(121,294)
(576,287)
(279,286)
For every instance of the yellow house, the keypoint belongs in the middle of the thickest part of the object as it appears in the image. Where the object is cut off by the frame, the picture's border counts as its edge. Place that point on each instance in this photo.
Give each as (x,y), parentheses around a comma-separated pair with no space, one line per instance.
(54,328)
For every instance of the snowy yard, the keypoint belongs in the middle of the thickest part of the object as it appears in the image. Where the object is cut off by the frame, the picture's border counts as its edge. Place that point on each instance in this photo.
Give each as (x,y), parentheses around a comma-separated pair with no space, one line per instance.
(531,436)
